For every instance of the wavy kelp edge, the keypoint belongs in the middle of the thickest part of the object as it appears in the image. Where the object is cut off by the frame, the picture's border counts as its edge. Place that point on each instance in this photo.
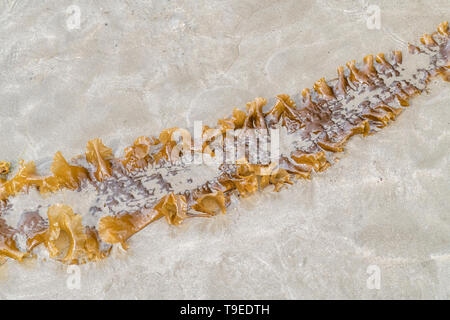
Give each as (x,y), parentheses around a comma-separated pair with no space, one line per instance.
(67,240)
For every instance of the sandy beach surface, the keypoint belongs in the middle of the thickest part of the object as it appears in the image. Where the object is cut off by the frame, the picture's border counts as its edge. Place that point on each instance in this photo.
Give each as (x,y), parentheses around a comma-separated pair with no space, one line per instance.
(71,71)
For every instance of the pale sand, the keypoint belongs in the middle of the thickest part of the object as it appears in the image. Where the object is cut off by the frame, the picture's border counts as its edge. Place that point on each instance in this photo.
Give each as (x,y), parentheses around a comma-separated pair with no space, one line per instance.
(151,67)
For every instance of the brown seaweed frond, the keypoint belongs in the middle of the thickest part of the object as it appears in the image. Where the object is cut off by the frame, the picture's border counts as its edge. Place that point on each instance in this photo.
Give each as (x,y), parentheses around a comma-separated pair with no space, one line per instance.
(67,240)
(99,155)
